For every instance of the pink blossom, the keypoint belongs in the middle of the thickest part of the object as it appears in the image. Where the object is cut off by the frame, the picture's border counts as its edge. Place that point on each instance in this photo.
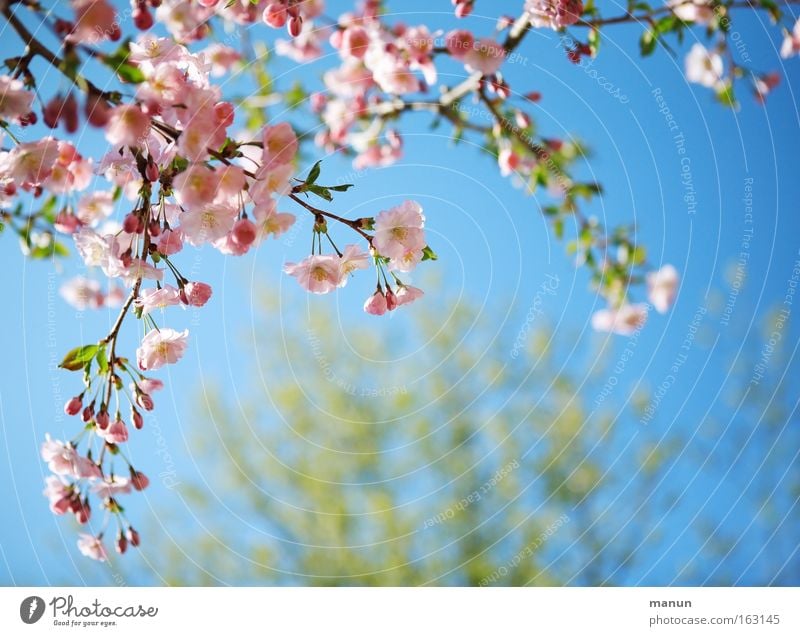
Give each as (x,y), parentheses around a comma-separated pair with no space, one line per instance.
(197,294)
(111,487)
(662,287)
(15,101)
(169,242)
(207,224)
(555,14)
(791,42)
(92,547)
(407,294)
(222,58)
(704,67)
(244,233)
(116,433)
(127,125)
(148,51)
(376,304)
(148,385)
(82,293)
(196,186)
(95,206)
(272,180)
(59,494)
(699,11)
(141,269)
(270,221)
(399,235)
(95,20)
(354,42)
(280,144)
(154,298)
(317,274)
(486,56)
(625,320)
(63,459)
(352,259)
(459,42)
(158,348)
(30,163)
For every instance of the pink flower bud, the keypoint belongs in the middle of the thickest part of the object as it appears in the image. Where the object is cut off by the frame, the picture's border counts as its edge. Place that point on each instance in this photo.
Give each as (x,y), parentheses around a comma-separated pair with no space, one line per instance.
(533,96)
(151,171)
(131,223)
(138,420)
(243,233)
(376,304)
(224,112)
(133,537)
(197,294)
(51,113)
(463,9)
(102,419)
(73,406)
(139,480)
(142,18)
(97,111)
(88,414)
(275,15)
(121,544)
(145,401)
(170,242)
(62,505)
(391,300)
(295,26)
(154,228)
(67,223)
(70,114)
(82,511)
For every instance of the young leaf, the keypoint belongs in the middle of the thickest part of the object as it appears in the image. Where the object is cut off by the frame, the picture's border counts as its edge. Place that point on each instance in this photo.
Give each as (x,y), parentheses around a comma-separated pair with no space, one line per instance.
(429,255)
(76,359)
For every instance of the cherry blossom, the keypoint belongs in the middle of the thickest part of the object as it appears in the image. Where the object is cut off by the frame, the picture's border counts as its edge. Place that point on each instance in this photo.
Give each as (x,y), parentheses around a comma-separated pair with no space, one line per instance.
(662,287)
(555,14)
(703,66)
(92,547)
(160,347)
(624,320)
(318,274)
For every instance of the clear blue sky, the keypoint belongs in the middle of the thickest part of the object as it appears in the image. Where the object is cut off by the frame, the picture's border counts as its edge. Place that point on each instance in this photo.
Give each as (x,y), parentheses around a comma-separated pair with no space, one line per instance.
(495,248)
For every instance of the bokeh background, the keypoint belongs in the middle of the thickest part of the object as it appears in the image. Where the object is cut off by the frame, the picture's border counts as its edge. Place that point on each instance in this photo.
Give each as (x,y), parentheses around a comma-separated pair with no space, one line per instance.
(485,435)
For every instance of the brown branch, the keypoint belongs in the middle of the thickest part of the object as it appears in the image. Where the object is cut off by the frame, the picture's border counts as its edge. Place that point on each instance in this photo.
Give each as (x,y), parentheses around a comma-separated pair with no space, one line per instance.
(353,224)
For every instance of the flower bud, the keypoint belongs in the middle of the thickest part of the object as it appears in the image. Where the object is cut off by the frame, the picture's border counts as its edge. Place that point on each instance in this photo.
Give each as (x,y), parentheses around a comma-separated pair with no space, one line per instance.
(97,111)
(139,480)
(142,18)
(376,304)
(51,113)
(82,511)
(69,114)
(138,420)
(275,15)
(145,401)
(133,537)
(102,419)
(88,414)
(151,171)
(243,233)
(391,300)
(295,26)
(73,406)
(121,544)
(196,294)
(132,224)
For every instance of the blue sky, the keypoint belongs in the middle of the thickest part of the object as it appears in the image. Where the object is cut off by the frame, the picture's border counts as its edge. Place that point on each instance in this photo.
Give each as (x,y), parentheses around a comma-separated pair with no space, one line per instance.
(496,250)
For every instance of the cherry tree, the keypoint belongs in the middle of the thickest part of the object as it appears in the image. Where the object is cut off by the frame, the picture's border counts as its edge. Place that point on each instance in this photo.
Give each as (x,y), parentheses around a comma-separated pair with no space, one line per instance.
(188,166)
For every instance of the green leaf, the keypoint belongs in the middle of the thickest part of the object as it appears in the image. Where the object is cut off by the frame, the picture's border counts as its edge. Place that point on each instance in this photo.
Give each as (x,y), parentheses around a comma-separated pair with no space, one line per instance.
(320,191)
(429,255)
(647,44)
(118,62)
(341,188)
(76,359)
(313,173)
(102,360)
